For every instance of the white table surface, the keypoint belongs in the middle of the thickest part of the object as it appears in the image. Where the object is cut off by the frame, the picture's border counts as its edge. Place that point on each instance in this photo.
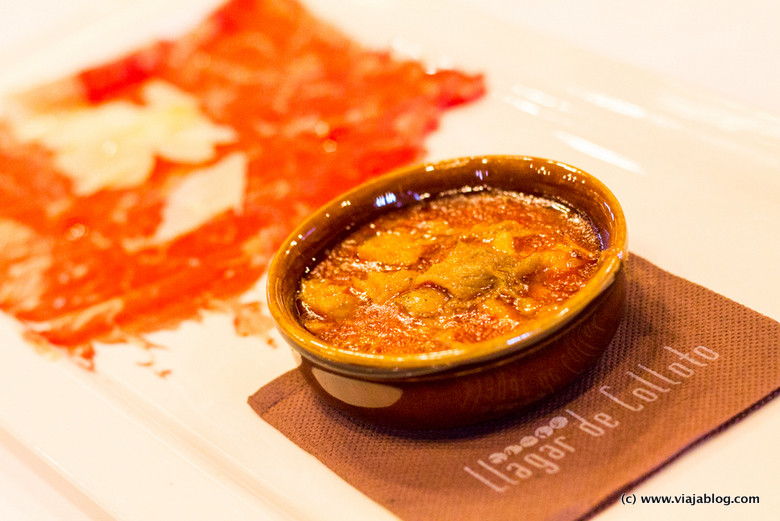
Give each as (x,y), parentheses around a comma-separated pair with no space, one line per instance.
(729,48)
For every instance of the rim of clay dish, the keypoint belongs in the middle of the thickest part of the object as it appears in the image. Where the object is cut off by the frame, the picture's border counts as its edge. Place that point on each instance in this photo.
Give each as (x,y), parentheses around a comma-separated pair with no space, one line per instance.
(405,186)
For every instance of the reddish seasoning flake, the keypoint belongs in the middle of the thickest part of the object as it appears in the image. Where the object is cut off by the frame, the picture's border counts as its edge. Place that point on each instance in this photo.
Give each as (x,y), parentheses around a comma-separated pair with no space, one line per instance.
(312,112)
(164,373)
(248,320)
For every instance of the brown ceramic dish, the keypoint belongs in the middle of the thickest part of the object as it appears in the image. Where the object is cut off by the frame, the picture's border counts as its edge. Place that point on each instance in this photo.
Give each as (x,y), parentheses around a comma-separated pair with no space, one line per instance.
(487,379)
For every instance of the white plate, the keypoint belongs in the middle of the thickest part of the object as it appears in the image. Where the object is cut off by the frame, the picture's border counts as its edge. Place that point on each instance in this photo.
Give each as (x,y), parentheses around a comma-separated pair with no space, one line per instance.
(697,176)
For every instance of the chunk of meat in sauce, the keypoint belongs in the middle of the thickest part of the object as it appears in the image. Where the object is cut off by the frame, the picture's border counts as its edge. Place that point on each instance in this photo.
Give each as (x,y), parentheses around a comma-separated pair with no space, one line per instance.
(424,301)
(394,248)
(380,286)
(471,269)
(328,299)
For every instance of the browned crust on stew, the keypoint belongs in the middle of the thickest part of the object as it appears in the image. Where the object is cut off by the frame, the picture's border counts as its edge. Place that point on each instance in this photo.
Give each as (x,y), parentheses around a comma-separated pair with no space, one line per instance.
(454,270)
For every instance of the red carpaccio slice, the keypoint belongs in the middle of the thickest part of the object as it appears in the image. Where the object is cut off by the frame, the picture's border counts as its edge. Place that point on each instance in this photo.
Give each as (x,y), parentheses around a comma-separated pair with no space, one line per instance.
(312,114)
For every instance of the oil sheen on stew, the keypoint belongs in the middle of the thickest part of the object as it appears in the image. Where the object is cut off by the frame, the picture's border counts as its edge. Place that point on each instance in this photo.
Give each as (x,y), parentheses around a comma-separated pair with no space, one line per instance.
(454,270)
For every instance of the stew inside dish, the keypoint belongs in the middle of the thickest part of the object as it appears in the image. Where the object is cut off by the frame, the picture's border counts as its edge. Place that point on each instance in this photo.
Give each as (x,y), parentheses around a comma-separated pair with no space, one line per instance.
(456,269)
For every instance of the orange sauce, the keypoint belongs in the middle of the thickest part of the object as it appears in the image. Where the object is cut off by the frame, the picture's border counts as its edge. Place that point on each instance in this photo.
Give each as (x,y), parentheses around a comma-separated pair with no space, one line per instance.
(453,270)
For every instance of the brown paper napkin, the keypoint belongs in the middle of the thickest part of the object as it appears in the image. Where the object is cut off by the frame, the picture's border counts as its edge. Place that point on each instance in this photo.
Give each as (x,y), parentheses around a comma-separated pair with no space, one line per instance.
(684,364)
